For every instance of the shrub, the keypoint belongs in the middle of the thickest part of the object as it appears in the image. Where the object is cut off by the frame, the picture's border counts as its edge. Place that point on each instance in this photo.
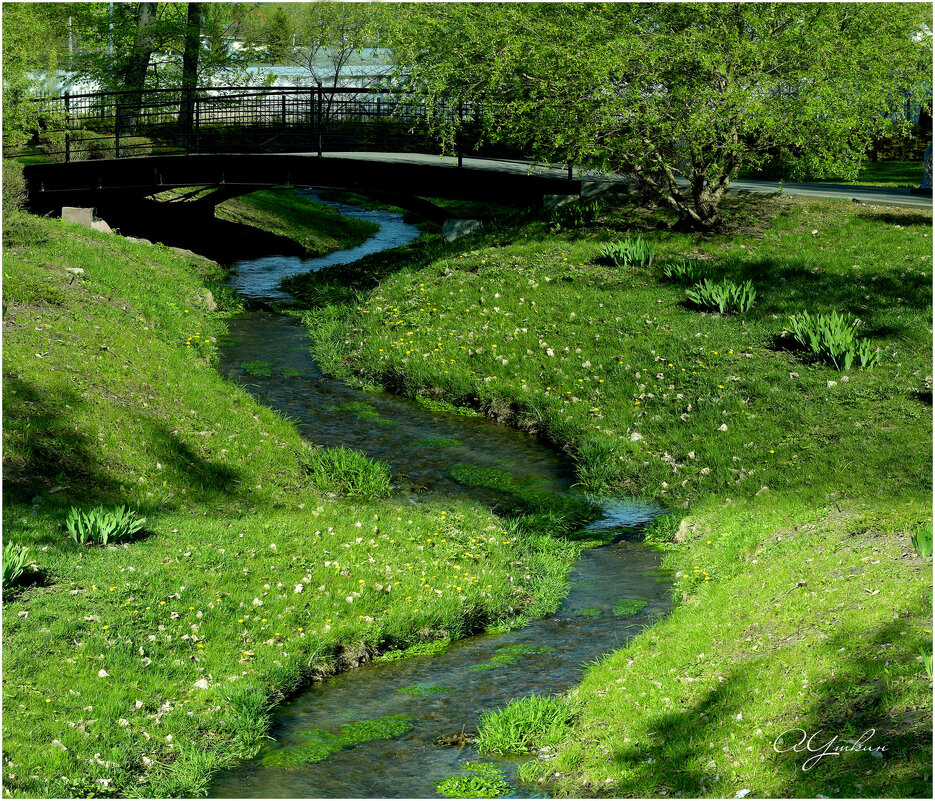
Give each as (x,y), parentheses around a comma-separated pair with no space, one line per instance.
(19,227)
(101,526)
(524,724)
(831,338)
(629,253)
(685,271)
(724,296)
(16,560)
(349,473)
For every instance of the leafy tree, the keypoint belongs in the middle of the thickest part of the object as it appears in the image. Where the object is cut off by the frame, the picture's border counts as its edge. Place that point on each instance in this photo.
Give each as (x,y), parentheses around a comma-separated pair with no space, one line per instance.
(278,36)
(661,91)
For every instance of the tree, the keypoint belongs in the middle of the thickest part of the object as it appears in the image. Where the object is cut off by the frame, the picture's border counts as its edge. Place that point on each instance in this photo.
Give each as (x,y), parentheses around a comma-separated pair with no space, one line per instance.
(661,91)
(278,36)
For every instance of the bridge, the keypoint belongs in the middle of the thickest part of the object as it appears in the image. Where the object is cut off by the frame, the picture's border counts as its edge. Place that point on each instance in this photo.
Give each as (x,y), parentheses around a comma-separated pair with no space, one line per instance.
(108,148)
(113,148)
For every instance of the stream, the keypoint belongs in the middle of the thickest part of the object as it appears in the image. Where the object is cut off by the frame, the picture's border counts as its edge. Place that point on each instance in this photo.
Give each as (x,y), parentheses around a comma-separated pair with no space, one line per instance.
(443,694)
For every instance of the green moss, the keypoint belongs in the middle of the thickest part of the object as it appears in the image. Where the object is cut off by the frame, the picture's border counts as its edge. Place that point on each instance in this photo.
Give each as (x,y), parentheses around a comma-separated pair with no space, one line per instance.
(258,368)
(589,611)
(322,744)
(475,476)
(510,654)
(290,373)
(486,781)
(630,606)
(425,689)
(419,649)
(439,442)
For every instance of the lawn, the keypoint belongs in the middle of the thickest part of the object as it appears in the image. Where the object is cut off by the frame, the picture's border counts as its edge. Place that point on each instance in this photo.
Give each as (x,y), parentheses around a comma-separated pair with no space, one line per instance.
(792,487)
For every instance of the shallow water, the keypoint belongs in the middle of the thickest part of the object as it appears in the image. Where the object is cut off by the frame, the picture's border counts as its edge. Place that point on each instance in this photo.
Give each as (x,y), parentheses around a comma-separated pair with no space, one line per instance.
(394,429)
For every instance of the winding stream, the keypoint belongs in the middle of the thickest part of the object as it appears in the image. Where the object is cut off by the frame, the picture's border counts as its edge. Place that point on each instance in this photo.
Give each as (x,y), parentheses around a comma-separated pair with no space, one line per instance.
(444,693)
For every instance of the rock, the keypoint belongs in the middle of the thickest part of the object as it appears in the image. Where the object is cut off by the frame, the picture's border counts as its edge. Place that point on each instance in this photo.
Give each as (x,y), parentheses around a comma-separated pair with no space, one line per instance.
(77,214)
(456,228)
(635,437)
(201,684)
(102,226)
(722,427)
(682,534)
(74,270)
(210,303)
(761,490)
(138,239)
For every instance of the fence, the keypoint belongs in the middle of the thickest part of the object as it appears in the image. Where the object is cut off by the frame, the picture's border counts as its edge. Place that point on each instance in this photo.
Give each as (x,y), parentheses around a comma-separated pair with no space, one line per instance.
(244,119)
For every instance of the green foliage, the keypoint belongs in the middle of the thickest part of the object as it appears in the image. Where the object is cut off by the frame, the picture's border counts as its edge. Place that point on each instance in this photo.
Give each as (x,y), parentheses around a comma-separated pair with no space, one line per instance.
(724,296)
(349,473)
(651,98)
(922,540)
(662,528)
(630,606)
(575,214)
(257,367)
(524,725)
(319,744)
(439,442)
(425,689)
(16,559)
(88,145)
(101,526)
(831,338)
(430,648)
(628,253)
(486,781)
(589,611)
(19,228)
(685,271)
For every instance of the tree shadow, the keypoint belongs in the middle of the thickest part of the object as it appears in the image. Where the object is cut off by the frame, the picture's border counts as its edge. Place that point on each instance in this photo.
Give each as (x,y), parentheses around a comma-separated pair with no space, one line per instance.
(903,218)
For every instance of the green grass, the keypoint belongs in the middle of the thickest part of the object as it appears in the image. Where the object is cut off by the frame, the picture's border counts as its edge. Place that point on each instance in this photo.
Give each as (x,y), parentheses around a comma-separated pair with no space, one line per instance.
(525,725)
(156,662)
(316,226)
(905,174)
(792,493)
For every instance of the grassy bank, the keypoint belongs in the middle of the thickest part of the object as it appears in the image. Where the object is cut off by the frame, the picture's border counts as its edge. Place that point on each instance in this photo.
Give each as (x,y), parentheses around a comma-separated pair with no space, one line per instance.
(788,472)
(896,174)
(140,668)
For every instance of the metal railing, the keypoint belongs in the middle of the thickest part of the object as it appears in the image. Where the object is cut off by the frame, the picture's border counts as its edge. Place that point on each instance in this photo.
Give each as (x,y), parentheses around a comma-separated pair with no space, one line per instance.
(79,127)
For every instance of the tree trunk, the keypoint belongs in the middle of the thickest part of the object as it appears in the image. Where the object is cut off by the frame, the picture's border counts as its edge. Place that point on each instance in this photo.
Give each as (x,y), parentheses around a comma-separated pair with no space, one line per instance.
(134,74)
(189,72)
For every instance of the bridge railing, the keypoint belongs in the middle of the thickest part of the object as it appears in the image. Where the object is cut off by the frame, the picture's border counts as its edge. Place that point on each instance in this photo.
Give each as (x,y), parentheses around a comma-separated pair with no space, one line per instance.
(78,127)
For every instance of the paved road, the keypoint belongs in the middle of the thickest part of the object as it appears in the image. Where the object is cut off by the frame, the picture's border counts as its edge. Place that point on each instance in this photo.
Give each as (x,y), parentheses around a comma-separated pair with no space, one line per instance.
(869,195)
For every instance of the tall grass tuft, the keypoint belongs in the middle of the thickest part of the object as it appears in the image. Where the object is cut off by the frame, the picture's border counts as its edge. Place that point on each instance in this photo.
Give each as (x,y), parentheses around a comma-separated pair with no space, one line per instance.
(922,540)
(349,473)
(685,271)
(525,724)
(831,338)
(101,526)
(628,253)
(723,296)
(16,559)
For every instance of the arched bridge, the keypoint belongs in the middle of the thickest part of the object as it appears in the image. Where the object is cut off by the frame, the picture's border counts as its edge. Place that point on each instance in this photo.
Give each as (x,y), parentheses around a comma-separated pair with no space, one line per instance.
(112,145)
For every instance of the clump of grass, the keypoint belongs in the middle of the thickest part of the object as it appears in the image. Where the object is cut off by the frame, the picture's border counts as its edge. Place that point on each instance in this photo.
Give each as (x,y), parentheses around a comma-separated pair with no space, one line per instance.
(662,528)
(630,606)
(628,253)
(436,405)
(831,338)
(575,214)
(723,296)
(524,725)
(922,540)
(101,526)
(685,271)
(349,473)
(486,781)
(16,560)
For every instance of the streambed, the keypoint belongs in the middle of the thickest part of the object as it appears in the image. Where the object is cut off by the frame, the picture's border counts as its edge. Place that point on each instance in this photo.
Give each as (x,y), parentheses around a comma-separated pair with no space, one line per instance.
(423,698)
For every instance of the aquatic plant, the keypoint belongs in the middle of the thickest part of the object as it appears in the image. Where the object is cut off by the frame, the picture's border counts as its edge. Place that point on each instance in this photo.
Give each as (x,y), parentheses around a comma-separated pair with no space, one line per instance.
(425,689)
(630,606)
(589,611)
(431,648)
(439,442)
(486,781)
(257,367)
(100,526)
(320,744)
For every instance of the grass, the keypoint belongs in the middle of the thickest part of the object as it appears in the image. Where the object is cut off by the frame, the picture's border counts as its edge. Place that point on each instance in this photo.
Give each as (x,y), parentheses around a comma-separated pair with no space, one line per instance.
(524,725)
(904,174)
(316,226)
(144,667)
(484,780)
(793,488)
